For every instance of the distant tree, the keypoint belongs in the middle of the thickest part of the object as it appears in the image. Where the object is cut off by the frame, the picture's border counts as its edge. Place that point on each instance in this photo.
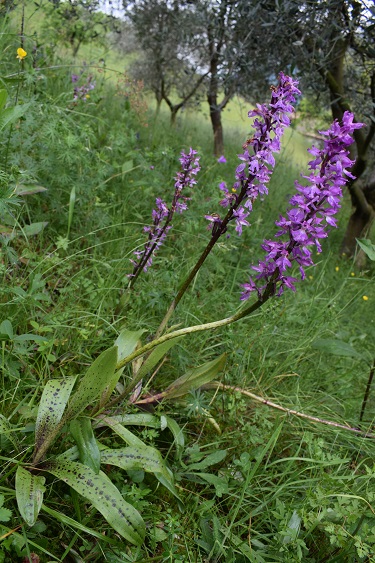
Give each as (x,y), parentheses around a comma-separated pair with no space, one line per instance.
(166,63)
(76,22)
(208,40)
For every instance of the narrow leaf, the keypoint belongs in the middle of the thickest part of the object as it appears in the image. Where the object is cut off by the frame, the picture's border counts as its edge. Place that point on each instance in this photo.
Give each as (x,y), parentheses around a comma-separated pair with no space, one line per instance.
(29,189)
(136,457)
(72,201)
(34,228)
(126,342)
(209,460)
(93,383)
(220,483)
(87,445)
(336,348)
(10,115)
(29,494)
(156,355)
(149,420)
(141,457)
(52,404)
(169,484)
(7,431)
(178,435)
(64,519)
(125,434)
(3,98)
(6,328)
(367,247)
(195,378)
(103,495)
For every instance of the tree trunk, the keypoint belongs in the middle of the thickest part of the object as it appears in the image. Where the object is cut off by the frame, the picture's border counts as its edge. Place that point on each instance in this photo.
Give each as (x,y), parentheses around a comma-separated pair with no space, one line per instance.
(360,221)
(362,195)
(217,127)
(174,110)
(158,104)
(215,109)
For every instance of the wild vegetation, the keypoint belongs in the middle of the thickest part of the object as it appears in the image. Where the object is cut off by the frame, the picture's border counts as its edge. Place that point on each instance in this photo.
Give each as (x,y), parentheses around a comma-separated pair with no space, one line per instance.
(144,418)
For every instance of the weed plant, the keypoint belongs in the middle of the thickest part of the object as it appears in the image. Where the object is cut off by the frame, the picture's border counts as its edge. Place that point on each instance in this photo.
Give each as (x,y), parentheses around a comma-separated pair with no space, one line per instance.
(257,484)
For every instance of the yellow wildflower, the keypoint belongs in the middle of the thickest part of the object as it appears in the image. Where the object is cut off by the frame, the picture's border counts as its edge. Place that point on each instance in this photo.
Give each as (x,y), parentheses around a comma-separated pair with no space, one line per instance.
(337,268)
(21,53)
(352,274)
(365,298)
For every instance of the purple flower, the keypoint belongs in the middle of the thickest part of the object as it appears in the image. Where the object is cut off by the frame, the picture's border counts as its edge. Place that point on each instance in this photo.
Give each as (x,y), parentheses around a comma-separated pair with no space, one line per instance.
(162,215)
(222,159)
(240,217)
(82,92)
(257,161)
(311,214)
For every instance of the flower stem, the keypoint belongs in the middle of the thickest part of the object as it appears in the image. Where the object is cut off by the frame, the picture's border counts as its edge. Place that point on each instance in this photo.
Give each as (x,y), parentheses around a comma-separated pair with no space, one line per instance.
(222,386)
(169,336)
(216,234)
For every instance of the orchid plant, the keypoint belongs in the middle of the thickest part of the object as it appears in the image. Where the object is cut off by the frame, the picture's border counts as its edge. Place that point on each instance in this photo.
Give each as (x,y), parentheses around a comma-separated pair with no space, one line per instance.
(63,409)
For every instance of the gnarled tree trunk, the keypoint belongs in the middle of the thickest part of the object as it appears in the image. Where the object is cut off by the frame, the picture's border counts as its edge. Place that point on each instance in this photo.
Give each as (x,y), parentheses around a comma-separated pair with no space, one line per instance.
(362,194)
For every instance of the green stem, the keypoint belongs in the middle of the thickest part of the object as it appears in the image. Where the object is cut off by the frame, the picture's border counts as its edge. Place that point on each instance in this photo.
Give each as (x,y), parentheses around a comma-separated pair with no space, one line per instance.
(214,238)
(169,336)
(316,419)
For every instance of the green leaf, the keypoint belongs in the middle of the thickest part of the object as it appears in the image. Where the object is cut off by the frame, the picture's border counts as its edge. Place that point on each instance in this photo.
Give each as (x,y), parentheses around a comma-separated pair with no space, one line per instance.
(29,189)
(139,419)
(34,228)
(52,404)
(178,435)
(136,457)
(211,459)
(93,383)
(29,494)
(194,378)
(29,337)
(103,495)
(5,514)
(294,525)
(127,166)
(126,342)
(72,201)
(336,348)
(220,483)
(3,98)
(64,519)
(6,329)
(125,434)
(141,457)
(10,115)
(83,434)
(367,247)
(156,355)
(169,484)
(150,420)
(7,430)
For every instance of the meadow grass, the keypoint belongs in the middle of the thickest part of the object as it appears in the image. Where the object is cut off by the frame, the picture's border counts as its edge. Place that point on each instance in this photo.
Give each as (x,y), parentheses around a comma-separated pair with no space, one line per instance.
(258,485)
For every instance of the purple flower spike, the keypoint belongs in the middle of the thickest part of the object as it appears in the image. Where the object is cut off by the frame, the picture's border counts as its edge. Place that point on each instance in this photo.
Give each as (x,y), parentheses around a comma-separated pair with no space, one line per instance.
(162,215)
(311,214)
(222,159)
(257,161)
